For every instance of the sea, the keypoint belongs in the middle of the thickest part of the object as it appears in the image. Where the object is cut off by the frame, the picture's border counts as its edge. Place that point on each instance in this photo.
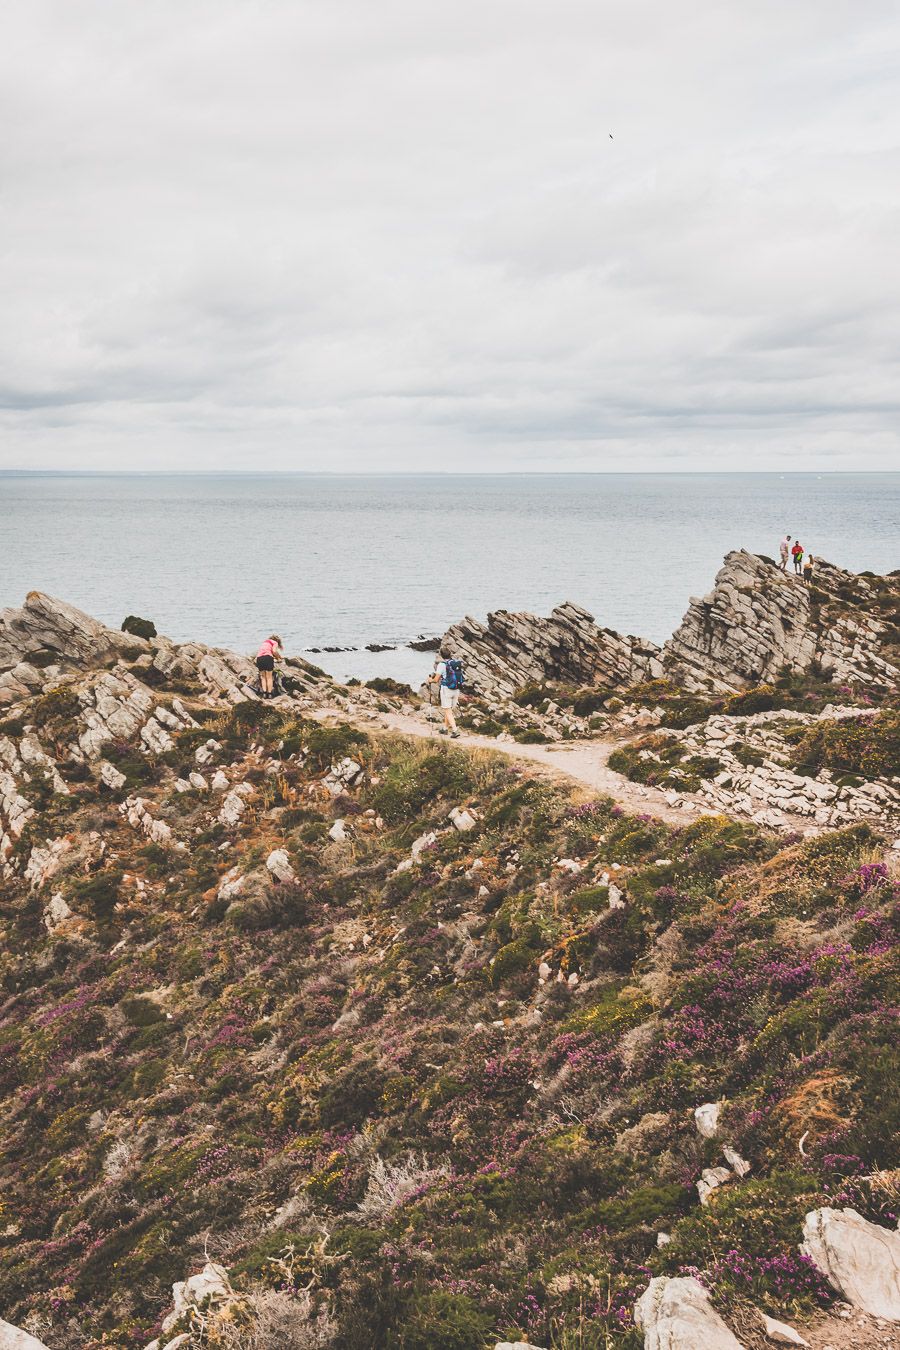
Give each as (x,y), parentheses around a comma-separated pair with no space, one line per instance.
(348,561)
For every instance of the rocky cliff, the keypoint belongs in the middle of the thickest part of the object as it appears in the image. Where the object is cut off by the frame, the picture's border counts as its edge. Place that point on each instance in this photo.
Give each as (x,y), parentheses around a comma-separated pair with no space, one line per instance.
(510,651)
(756,622)
(316,1036)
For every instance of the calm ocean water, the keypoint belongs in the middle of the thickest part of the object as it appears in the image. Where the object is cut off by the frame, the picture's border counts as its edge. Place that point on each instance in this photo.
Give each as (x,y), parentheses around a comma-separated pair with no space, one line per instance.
(344,561)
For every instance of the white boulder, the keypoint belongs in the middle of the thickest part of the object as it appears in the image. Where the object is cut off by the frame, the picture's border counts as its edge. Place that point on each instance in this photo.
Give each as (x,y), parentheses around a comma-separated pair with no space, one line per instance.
(56,912)
(780,1332)
(279,864)
(210,1284)
(710,1179)
(13,1338)
(111,776)
(706,1118)
(676,1314)
(735,1161)
(233,805)
(462,819)
(861,1260)
(338,832)
(419,845)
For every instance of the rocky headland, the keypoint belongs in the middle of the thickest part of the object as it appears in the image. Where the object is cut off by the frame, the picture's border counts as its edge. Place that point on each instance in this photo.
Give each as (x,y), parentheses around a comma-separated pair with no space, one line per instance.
(315,1034)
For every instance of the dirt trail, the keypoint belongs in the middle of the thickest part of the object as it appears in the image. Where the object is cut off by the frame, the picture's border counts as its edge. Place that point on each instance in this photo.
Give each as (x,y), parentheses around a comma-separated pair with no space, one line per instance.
(583,761)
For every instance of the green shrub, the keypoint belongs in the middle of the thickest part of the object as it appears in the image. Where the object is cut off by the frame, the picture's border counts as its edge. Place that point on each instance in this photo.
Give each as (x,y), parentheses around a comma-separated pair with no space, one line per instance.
(441,1321)
(326,745)
(414,780)
(383,684)
(351,1097)
(99,894)
(143,628)
(56,709)
(140,1011)
(864,745)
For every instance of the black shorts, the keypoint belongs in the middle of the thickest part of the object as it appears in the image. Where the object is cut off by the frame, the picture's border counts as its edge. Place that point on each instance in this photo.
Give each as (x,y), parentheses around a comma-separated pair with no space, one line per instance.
(265,663)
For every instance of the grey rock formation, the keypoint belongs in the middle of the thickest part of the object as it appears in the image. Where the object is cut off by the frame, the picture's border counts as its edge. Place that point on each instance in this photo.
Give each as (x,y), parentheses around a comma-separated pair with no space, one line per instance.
(512,650)
(676,1314)
(48,639)
(758,620)
(755,622)
(45,625)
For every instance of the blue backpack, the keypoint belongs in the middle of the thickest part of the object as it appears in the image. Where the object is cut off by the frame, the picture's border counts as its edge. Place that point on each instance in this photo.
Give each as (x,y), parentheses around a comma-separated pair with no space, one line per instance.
(453,677)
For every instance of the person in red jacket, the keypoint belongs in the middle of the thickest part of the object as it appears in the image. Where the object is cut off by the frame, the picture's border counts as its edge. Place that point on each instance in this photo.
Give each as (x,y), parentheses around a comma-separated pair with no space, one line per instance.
(797,555)
(268,654)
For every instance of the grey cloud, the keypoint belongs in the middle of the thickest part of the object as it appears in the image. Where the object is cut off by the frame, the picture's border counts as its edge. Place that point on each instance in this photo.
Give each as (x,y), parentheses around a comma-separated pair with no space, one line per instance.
(399,236)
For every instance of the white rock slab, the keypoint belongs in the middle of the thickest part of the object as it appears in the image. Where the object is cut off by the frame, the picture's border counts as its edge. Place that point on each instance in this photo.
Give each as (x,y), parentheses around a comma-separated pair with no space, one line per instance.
(861,1260)
(676,1314)
(706,1118)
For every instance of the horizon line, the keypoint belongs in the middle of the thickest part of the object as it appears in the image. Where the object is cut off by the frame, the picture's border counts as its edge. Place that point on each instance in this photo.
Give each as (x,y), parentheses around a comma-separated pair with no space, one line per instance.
(434,473)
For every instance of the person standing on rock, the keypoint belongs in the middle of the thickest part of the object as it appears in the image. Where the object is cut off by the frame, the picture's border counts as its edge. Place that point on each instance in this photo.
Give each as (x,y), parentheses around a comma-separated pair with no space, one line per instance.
(808,568)
(784,548)
(797,555)
(269,652)
(448,674)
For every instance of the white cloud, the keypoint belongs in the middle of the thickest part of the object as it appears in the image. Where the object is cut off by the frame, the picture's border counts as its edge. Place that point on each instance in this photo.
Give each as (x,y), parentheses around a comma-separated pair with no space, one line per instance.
(348,235)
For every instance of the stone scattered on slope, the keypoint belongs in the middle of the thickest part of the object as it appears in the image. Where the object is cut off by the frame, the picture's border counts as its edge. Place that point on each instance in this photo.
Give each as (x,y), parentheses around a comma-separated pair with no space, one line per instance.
(711,1178)
(462,819)
(516,1345)
(279,864)
(210,1287)
(861,1260)
(735,1161)
(706,1118)
(233,805)
(780,1332)
(676,1314)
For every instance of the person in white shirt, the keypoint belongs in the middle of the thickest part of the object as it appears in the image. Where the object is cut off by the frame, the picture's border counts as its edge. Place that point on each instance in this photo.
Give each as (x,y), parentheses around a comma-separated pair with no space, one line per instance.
(448,674)
(785,549)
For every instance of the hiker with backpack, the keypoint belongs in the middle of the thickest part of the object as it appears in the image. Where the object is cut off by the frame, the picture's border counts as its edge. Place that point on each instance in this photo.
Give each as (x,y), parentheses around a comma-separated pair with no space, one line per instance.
(448,674)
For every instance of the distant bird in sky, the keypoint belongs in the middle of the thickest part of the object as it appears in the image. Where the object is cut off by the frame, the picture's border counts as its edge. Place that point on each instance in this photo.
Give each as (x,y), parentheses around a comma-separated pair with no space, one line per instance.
(610,135)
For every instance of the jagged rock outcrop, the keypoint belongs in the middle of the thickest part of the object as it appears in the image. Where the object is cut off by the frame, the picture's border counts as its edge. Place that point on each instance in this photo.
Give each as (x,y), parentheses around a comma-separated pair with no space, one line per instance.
(676,1314)
(861,1260)
(47,639)
(512,650)
(757,620)
(45,627)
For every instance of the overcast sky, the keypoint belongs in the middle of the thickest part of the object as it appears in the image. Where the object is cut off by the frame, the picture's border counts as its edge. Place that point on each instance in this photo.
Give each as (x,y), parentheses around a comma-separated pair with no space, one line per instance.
(340,234)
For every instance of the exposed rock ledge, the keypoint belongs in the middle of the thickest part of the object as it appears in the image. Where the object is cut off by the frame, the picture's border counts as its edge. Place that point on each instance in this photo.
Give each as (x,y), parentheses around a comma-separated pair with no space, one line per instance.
(755,622)
(48,638)
(512,650)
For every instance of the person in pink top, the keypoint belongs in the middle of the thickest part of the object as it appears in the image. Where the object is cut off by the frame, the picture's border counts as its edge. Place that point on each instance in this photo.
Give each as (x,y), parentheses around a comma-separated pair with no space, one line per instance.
(269,652)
